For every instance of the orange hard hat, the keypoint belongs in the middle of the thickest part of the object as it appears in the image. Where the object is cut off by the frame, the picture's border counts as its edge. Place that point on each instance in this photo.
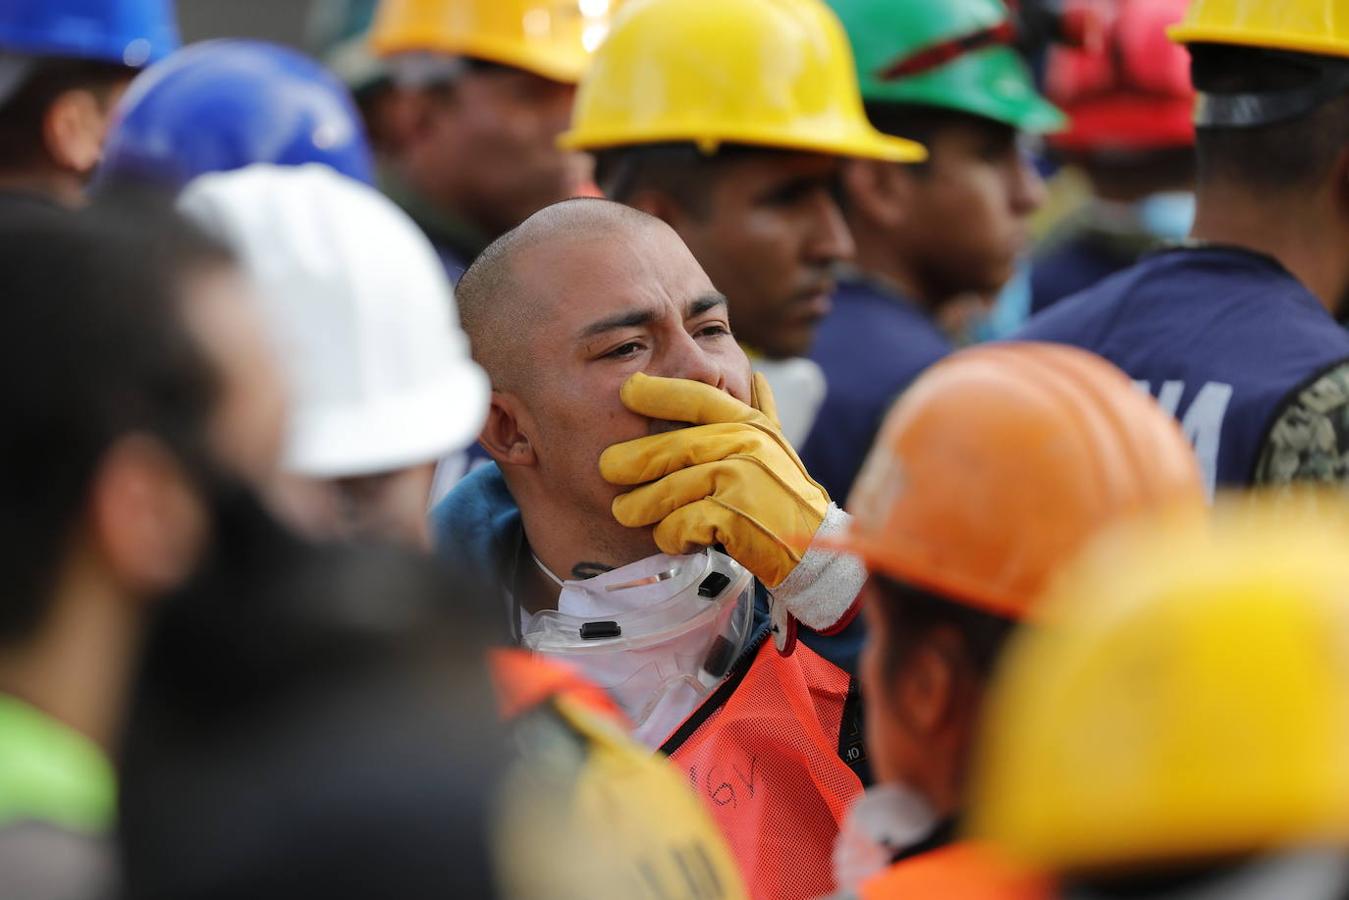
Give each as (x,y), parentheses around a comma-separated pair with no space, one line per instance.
(961,871)
(999,463)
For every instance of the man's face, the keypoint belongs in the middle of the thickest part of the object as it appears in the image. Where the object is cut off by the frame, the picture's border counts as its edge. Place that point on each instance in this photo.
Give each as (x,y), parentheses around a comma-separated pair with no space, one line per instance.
(492,138)
(967,223)
(607,307)
(769,237)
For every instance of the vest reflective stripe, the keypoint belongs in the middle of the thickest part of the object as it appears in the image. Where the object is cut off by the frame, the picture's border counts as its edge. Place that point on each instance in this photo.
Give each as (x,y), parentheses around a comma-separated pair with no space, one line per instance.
(964,871)
(1222,337)
(766,765)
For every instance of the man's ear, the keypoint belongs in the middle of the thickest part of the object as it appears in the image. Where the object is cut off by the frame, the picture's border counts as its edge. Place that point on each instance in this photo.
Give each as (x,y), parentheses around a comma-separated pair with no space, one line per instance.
(504,435)
(74,128)
(878,193)
(148,522)
(928,684)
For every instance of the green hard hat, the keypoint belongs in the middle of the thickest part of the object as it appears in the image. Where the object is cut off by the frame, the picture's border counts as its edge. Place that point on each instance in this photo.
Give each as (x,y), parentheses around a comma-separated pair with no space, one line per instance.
(958,56)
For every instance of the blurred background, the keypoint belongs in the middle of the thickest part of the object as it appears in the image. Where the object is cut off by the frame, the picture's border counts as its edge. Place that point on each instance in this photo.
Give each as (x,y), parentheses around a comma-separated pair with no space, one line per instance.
(278,20)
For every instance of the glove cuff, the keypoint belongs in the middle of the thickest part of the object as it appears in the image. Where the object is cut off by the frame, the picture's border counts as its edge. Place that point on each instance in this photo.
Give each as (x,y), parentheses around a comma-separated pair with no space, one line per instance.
(822,590)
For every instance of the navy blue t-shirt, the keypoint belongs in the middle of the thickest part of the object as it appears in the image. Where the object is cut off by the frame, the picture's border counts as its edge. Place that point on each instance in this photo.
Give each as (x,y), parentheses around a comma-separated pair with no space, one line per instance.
(871,346)
(1224,338)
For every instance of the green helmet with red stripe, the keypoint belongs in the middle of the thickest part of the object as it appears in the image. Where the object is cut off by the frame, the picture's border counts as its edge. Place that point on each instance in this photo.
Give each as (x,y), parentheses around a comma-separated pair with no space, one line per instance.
(949,54)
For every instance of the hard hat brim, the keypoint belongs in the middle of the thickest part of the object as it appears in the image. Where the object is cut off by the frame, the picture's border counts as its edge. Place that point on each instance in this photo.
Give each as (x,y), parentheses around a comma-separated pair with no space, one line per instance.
(881,559)
(863,145)
(369,438)
(1267,40)
(562,67)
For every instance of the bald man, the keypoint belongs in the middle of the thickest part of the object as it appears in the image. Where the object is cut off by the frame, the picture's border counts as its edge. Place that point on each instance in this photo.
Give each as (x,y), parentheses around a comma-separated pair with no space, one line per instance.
(570,315)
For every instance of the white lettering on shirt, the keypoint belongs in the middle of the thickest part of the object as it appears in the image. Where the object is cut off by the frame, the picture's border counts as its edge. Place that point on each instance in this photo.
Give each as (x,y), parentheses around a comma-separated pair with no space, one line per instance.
(1202,421)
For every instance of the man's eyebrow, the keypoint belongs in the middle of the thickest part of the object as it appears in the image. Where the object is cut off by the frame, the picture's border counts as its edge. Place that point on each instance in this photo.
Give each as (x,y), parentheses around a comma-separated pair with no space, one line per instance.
(632,319)
(704,304)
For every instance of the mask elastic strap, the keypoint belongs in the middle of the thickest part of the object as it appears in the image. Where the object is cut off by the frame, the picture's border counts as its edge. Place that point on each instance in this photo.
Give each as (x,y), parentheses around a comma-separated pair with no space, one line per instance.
(547,571)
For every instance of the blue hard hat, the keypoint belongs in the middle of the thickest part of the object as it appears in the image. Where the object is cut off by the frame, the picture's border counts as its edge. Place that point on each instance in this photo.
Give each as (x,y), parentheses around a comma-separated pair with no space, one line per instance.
(223,105)
(127,32)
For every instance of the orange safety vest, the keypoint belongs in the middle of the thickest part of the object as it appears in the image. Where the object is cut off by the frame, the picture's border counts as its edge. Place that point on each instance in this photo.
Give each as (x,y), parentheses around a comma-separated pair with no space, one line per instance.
(961,871)
(763,754)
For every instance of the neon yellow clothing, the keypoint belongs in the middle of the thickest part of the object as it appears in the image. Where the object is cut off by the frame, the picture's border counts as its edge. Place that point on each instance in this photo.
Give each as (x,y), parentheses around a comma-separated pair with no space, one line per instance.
(51,774)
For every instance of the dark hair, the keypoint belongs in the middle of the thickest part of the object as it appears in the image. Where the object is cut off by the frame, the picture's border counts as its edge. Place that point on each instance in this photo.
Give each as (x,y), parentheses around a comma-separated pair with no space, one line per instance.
(922,123)
(97,351)
(22,116)
(680,171)
(1295,153)
(911,614)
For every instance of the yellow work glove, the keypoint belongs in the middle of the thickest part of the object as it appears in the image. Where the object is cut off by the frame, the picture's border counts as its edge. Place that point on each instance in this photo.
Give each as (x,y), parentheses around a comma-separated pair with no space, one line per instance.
(732,479)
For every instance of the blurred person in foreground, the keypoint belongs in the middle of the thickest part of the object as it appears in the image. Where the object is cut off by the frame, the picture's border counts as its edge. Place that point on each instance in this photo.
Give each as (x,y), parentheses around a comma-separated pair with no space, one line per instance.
(1179,730)
(990,474)
(140,394)
(63,64)
(365,323)
(484,89)
(1235,331)
(1131,107)
(382,385)
(602,524)
(311,721)
(931,235)
(694,118)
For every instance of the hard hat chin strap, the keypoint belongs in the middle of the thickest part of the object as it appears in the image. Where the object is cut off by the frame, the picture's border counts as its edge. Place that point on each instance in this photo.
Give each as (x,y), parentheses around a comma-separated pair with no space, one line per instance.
(1253,110)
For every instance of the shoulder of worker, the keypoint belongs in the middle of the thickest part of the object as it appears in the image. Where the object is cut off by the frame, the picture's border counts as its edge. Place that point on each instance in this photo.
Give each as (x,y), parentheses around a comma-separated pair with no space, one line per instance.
(1189,291)
(876,330)
(1308,440)
(870,348)
(477,527)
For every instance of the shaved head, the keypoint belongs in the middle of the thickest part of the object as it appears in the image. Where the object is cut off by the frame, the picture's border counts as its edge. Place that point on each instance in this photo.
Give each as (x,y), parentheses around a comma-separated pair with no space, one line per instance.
(561,312)
(499,301)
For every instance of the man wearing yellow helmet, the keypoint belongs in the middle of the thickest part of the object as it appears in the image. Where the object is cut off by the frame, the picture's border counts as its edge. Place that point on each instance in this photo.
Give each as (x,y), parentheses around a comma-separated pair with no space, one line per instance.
(1184,735)
(730,119)
(1235,332)
(487,88)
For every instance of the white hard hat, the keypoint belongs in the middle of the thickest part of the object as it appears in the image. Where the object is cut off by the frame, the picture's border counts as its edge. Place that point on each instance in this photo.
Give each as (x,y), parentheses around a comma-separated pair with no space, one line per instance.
(362,313)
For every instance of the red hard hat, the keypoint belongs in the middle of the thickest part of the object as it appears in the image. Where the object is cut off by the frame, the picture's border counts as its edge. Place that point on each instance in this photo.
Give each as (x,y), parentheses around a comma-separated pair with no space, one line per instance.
(1128,87)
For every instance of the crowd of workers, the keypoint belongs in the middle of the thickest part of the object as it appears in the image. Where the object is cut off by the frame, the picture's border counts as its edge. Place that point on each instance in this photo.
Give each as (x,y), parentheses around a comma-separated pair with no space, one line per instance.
(704,449)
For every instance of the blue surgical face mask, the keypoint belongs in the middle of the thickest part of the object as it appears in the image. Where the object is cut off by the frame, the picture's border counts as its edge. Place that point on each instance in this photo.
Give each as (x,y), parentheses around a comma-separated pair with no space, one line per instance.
(1167,216)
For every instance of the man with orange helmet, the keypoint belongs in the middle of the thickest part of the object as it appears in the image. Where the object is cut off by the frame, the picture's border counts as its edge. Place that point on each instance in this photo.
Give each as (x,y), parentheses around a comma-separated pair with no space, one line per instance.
(991,472)
(1235,332)
(1130,103)
(488,87)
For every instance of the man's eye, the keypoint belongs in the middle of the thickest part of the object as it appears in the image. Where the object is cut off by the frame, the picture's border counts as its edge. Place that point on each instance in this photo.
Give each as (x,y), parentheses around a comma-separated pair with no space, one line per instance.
(715,330)
(624,351)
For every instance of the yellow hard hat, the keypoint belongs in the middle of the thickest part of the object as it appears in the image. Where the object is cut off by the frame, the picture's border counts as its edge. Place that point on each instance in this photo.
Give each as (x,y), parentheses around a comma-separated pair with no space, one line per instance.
(768,73)
(552,38)
(1189,700)
(1302,26)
